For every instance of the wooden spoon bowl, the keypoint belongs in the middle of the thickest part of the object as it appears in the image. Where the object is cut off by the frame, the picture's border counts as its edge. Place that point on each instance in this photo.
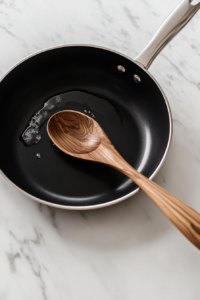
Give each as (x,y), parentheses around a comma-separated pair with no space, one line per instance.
(74,133)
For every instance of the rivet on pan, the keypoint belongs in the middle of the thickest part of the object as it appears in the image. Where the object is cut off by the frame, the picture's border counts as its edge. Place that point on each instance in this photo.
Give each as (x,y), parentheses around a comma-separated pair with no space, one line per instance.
(137,79)
(121,69)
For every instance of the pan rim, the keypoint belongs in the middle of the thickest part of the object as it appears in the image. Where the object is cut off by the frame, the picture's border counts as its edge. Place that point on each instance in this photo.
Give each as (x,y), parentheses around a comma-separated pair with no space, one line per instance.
(112,202)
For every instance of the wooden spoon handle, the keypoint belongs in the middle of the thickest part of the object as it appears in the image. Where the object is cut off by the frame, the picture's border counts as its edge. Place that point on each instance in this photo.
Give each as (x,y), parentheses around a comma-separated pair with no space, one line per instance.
(181,215)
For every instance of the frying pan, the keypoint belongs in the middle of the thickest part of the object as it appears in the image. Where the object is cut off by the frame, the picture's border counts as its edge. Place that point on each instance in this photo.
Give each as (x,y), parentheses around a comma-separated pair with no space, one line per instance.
(119,92)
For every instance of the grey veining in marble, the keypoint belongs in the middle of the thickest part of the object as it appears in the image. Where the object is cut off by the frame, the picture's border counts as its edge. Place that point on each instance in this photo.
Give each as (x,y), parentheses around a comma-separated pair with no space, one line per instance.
(126,251)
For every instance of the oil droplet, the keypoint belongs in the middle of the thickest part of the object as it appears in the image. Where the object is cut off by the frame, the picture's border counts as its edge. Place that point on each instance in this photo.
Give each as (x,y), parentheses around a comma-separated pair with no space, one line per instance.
(31,134)
(88,111)
(38,137)
(58,99)
(85,111)
(38,155)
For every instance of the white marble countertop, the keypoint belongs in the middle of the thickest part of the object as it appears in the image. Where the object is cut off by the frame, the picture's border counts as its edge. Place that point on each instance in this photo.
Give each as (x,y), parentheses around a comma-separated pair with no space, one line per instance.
(126,251)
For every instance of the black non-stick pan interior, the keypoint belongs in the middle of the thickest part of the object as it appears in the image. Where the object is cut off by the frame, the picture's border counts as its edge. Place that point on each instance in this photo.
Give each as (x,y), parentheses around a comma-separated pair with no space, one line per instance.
(134,116)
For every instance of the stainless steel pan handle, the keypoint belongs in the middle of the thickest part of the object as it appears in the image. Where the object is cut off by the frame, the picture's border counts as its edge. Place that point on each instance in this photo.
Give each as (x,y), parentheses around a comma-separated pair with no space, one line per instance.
(181,15)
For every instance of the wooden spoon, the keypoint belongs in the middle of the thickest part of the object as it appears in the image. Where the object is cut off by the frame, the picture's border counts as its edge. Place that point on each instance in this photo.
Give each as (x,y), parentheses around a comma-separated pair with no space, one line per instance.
(80,136)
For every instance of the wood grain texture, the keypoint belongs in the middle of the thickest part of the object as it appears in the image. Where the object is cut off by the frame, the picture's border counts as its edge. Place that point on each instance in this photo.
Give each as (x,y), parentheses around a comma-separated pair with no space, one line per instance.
(80,136)
(74,133)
